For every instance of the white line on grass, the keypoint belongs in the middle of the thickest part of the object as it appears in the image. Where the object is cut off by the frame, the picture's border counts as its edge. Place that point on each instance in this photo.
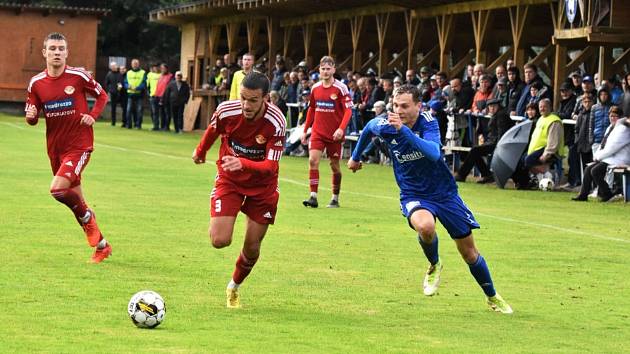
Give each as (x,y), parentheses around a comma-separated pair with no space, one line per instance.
(540,225)
(13,125)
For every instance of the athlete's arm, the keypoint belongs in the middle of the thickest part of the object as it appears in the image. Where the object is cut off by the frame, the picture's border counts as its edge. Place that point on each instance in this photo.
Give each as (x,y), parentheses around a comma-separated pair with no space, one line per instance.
(95,90)
(346,105)
(32,107)
(268,166)
(364,139)
(429,143)
(209,137)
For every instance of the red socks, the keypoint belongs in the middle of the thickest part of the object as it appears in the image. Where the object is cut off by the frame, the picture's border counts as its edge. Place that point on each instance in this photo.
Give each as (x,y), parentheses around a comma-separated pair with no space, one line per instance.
(336,183)
(313,179)
(71,199)
(243,267)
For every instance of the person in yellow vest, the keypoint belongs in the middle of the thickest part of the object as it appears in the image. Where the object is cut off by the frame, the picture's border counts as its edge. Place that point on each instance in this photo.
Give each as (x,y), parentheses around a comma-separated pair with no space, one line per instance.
(547,141)
(135,84)
(152,82)
(248,66)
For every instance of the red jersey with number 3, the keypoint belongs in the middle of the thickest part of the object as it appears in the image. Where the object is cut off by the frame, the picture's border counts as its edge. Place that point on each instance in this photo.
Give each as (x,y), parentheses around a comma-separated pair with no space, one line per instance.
(262,139)
(330,105)
(62,100)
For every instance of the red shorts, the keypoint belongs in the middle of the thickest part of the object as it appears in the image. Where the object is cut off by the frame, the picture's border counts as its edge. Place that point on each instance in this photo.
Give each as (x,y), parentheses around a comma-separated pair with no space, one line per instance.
(70,165)
(227,199)
(333,149)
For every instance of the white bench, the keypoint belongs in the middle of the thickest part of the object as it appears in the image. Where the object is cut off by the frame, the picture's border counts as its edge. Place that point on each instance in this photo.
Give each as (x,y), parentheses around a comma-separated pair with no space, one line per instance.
(624,171)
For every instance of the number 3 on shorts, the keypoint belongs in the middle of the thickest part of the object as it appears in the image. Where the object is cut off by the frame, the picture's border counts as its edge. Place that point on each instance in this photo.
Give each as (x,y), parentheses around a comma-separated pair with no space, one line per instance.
(217,206)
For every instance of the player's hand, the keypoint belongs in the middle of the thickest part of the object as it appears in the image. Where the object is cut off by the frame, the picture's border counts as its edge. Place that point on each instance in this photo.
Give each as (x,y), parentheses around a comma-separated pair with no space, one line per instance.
(394,120)
(303,139)
(231,163)
(354,166)
(197,159)
(31,115)
(87,119)
(338,135)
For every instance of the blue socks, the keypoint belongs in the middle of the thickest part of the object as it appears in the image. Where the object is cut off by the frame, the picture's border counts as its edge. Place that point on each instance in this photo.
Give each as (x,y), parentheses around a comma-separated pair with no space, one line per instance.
(430,249)
(480,271)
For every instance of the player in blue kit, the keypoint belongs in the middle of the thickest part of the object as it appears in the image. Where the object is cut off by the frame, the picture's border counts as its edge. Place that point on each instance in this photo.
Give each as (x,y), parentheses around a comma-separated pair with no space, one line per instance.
(427,188)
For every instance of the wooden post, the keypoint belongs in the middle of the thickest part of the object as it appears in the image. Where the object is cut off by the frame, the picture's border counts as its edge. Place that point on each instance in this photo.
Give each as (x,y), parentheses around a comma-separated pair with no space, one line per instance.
(214,33)
(196,69)
(232,38)
(331,31)
(518,15)
(560,72)
(445,28)
(382,21)
(356,23)
(253,27)
(307,35)
(272,39)
(286,39)
(480,27)
(605,63)
(411,27)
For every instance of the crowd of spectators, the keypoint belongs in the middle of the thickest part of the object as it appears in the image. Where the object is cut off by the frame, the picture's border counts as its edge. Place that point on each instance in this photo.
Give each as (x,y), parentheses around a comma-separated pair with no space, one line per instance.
(473,110)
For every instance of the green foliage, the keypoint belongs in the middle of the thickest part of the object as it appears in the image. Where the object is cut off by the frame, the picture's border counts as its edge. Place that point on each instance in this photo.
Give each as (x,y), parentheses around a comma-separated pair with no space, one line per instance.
(345,280)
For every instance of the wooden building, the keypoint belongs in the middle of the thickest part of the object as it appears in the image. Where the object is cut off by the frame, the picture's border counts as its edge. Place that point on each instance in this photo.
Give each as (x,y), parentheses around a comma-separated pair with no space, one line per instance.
(24,28)
(400,34)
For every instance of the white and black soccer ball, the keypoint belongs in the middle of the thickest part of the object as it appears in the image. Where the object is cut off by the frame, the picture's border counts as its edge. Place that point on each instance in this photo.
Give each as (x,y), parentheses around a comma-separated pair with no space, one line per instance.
(546,184)
(146,309)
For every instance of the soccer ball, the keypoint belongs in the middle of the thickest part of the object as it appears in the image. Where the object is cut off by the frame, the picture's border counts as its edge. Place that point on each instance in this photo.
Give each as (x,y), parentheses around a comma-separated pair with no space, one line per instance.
(546,184)
(146,309)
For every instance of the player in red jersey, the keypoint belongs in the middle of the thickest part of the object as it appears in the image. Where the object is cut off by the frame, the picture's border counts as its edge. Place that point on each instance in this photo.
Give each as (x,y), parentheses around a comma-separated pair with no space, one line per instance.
(329,112)
(59,92)
(252,135)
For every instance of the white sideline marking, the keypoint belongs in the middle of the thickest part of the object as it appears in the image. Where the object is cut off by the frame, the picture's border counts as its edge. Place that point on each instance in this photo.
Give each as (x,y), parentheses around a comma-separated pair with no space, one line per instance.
(287,180)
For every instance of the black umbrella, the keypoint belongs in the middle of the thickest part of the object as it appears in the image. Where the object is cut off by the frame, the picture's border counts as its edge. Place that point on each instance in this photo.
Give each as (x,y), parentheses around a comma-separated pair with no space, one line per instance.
(509,151)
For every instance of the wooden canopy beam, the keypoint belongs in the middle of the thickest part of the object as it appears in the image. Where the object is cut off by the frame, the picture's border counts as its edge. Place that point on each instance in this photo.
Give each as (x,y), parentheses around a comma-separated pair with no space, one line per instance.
(429,57)
(368,62)
(331,31)
(399,59)
(471,6)
(560,72)
(411,27)
(544,54)
(356,24)
(214,34)
(253,28)
(500,60)
(445,29)
(382,22)
(518,15)
(342,15)
(584,55)
(286,40)
(307,36)
(461,64)
(480,25)
(621,60)
(232,38)
(272,41)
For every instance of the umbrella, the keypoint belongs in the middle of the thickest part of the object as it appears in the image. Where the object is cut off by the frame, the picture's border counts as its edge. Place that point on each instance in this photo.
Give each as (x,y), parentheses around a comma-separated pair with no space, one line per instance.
(509,151)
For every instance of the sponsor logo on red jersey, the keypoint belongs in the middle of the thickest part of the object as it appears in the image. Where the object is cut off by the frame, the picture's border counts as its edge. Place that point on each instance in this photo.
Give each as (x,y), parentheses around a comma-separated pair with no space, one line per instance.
(68,90)
(260,139)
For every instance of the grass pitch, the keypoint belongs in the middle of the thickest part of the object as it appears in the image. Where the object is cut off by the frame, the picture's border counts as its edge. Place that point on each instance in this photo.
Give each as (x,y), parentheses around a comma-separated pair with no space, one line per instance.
(331,281)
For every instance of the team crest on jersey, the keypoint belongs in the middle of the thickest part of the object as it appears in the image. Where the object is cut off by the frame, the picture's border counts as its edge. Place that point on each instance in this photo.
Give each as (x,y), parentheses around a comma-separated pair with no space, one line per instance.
(260,139)
(333,96)
(68,90)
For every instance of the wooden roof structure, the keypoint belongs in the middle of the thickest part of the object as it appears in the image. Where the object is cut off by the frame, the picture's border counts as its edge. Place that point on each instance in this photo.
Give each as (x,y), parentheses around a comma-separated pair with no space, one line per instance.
(400,34)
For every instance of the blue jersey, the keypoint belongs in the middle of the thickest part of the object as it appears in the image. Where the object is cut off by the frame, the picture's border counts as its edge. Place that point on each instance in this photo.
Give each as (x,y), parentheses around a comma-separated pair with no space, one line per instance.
(419,168)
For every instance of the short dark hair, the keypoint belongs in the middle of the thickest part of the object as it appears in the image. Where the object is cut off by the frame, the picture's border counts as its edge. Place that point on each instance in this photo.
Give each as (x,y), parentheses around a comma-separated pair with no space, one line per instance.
(531,66)
(256,81)
(408,89)
(56,36)
(327,60)
(441,74)
(514,70)
(616,110)
(532,105)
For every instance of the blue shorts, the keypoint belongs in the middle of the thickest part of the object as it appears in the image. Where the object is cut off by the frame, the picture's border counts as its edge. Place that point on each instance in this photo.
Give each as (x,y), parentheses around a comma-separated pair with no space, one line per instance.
(452,213)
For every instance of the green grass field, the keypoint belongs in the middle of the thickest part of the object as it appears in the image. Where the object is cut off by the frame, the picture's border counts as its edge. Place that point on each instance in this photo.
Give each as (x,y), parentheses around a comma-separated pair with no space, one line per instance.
(329,281)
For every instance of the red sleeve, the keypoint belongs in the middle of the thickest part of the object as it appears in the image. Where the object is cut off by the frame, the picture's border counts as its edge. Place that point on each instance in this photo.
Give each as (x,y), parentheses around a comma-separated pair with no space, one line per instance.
(95,90)
(310,113)
(209,137)
(346,104)
(32,101)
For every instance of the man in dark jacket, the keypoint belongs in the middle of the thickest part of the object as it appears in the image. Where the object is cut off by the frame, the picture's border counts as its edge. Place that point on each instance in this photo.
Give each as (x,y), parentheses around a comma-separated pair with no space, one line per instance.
(113,85)
(531,77)
(565,111)
(515,88)
(499,123)
(582,124)
(177,94)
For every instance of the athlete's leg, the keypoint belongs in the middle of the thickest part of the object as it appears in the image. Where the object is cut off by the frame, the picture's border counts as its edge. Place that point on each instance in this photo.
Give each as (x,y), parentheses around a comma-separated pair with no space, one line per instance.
(221,230)
(476,263)
(72,197)
(251,250)
(424,223)
(314,156)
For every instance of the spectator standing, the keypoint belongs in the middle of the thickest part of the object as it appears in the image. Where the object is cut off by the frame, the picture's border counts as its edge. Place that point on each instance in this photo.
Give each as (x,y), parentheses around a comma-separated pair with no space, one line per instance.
(177,94)
(123,97)
(164,108)
(565,111)
(135,84)
(152,82)
(532,78)
(113,85)
(515,88)
(235,85)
